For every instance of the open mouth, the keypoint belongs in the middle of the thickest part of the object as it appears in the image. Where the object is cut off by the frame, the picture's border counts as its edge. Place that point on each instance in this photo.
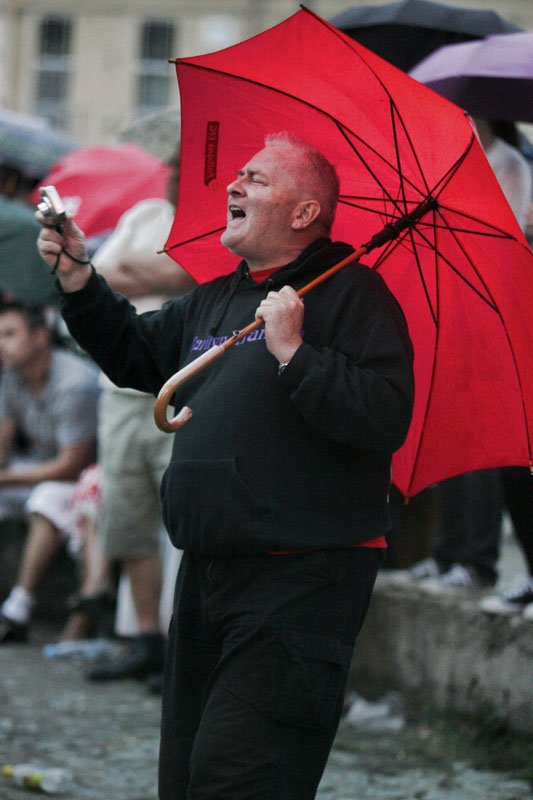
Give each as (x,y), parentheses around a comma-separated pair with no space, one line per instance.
(236,212)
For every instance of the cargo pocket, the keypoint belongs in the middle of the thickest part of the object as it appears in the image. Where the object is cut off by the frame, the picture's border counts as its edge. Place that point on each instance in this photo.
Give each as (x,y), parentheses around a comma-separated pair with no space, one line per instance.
(296,677)
(313,669)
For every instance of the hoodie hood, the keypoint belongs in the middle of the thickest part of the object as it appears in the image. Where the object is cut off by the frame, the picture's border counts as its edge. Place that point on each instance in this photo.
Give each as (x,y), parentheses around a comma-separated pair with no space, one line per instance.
(296,273)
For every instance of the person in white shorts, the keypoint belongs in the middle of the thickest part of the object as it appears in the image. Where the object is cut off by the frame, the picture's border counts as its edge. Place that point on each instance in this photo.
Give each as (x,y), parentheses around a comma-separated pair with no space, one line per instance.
(48,409)
(133,453)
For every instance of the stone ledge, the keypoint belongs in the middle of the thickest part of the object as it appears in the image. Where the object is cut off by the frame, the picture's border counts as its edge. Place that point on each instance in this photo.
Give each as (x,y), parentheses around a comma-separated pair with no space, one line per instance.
(442,649)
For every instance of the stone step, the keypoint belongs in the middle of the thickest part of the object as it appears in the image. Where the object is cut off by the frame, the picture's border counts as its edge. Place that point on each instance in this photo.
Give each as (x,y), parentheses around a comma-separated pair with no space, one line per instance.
(440,647)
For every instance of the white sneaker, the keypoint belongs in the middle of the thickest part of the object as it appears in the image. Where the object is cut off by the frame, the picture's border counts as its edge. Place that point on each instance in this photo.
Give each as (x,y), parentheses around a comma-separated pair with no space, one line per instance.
(512,602)
(428,568)
(462,577)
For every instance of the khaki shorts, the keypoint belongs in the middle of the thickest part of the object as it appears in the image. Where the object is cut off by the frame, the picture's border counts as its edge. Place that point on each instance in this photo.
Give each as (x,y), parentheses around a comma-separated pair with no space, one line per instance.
(133,455)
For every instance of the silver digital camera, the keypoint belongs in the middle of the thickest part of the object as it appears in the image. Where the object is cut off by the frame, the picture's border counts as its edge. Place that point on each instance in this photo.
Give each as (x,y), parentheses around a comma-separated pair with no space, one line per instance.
(51,205)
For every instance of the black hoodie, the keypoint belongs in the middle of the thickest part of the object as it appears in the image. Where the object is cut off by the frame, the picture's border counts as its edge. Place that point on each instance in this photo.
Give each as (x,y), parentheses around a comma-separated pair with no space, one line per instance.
(268,462)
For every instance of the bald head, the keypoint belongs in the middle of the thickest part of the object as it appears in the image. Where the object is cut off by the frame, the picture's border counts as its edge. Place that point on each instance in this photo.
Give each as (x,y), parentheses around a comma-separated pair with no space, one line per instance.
(315,177)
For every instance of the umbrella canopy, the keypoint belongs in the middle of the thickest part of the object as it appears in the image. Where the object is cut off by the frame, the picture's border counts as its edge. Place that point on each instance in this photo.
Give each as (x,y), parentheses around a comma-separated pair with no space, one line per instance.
(23,273)
(158,133)
(405,32)
(491,78)
(29,145)
(462,274)
(98,184)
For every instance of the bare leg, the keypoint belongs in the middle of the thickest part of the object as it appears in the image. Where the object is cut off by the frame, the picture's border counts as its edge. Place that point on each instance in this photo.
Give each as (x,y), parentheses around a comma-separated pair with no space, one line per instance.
(145,578)
(95,568)
(41,547)
(95,582)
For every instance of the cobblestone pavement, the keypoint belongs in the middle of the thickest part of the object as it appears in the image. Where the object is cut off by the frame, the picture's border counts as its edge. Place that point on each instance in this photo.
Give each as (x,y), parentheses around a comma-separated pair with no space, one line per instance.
(107,736)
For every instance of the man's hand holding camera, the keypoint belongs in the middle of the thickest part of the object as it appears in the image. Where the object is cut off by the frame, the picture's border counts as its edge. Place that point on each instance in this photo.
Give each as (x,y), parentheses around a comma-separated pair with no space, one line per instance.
(62,245)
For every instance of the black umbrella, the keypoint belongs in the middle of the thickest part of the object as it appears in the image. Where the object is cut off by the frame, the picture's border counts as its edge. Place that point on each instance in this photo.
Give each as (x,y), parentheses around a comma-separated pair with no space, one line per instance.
(405,32)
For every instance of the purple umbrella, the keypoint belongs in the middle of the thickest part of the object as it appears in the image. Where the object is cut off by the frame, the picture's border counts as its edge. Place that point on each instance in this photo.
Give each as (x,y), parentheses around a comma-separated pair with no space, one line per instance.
(491,78)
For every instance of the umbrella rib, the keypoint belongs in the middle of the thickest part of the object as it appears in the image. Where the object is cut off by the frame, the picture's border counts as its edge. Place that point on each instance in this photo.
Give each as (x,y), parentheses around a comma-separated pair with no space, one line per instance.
(446,178)
(454,268)
(377,211)
(391,247)
(490,302)
(473,232)
(351,145)
(434,363)
(397,151)
(494,231)
(383,86)
(397,114)
(193,239)
(342,128)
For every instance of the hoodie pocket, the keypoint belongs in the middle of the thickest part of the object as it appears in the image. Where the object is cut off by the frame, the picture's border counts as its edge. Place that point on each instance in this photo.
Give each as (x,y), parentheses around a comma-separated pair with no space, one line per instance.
(208,508)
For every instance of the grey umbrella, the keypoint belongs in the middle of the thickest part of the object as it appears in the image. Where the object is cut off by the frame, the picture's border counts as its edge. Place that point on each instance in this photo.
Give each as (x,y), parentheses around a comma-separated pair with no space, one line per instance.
(29,145)
(158,133)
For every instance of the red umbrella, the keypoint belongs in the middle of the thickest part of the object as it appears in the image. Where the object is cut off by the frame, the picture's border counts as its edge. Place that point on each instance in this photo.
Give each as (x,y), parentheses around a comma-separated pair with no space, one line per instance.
(97,184)
(462,273)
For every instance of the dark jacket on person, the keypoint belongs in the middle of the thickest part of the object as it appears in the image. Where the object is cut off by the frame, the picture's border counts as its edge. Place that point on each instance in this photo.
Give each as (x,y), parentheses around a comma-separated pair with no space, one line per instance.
(268,462)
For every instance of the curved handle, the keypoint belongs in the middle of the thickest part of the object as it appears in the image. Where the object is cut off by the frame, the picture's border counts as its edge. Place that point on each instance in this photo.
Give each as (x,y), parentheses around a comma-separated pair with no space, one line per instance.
(168,389)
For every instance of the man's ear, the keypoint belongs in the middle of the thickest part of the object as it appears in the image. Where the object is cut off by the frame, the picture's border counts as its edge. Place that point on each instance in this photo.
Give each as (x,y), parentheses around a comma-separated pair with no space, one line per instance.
(305,214)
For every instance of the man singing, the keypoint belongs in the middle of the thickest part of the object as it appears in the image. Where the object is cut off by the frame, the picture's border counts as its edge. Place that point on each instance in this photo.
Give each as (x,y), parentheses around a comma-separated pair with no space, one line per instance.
(277,489)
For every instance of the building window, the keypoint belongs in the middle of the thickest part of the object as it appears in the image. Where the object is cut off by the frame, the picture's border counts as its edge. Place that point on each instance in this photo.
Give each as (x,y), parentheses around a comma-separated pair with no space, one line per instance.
(155,73)
(53,69)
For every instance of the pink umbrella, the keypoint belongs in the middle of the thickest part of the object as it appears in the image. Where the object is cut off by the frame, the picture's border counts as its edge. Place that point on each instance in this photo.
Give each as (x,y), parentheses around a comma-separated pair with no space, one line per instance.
(97,184)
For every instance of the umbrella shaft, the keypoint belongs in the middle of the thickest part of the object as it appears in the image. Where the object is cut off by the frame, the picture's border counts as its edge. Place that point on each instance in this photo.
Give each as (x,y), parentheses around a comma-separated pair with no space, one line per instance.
(393,229)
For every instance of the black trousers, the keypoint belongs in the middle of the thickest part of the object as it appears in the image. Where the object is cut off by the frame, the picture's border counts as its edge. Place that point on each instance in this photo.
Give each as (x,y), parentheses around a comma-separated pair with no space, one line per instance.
(470,508)
(259,654)
(518,488)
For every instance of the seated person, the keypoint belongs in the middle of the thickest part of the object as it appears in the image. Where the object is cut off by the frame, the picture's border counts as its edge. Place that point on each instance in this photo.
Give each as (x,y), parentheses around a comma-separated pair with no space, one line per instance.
(48,400)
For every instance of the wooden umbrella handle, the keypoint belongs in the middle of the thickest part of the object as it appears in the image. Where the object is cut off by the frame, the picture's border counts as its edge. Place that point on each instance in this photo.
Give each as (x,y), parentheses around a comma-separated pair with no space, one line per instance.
(168,389)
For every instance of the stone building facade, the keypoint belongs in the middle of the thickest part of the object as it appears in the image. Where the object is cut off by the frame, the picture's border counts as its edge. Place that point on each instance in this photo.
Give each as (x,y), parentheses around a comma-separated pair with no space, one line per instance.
(94,66)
